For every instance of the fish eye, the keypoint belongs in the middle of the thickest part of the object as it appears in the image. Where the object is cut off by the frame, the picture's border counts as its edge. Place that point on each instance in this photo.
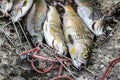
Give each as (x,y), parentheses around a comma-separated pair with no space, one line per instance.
(5,2)
(75,59)
(8,0)
(12,13)
(85,55)
(1,6)
(71,39)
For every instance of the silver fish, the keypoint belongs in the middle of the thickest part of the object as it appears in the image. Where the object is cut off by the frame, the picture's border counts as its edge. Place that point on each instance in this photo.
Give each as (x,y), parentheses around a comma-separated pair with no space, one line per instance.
(35,20)
(53,32)
(78,38)
(20,9)
(90,16)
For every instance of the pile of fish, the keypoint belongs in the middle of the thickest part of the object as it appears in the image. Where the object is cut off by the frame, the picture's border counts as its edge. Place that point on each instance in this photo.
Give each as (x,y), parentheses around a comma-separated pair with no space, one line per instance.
(72,35)
(75,34)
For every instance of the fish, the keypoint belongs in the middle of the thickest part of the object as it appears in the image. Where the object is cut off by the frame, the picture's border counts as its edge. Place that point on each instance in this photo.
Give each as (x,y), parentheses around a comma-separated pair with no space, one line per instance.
(5,7)
(20,9)
(53,32)
(34,20)
(78,37)
(91,16)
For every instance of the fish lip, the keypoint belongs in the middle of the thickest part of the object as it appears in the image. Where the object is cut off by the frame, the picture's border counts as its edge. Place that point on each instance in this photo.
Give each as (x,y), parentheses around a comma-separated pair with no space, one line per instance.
(64,52)
(14,19)
(1,13)
(79,64)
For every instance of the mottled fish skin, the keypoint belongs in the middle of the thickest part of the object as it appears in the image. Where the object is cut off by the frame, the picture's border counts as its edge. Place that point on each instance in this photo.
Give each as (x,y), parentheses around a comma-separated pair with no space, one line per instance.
(5,6)
(34,21)
(78,38)
(53,32)
(90,16)
(20,9)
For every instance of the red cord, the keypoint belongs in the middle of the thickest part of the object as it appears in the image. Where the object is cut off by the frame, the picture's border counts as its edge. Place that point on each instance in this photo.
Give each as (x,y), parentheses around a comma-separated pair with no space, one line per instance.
(31,50)
(109,68)
(44,58)
(60,70)
(52,62)
(41,71)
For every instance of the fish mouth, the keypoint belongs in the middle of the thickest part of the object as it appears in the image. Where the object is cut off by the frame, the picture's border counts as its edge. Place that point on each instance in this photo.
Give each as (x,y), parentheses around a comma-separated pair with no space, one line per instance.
(1,14)
(64,52)
(79,65)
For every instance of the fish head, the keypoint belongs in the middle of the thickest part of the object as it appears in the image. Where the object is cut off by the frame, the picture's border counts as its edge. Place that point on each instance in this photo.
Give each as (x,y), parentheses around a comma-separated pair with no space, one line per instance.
(16,14)
(20,9)
(26,6)
(60,46)
(79,54)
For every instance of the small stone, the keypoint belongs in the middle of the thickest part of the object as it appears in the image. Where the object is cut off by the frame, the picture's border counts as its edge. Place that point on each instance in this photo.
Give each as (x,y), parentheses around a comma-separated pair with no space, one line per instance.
(1,77)
(101,66)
